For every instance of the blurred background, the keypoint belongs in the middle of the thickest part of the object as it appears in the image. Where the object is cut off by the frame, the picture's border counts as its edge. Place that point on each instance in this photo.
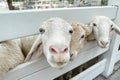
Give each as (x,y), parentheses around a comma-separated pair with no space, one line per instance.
(44,4)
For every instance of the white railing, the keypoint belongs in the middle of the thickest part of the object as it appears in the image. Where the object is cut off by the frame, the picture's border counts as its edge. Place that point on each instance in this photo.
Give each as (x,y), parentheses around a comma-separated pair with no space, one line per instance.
(14,24)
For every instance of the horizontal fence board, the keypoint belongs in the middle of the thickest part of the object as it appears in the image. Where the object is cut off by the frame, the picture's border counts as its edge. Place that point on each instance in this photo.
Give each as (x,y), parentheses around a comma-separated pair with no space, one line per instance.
(14,24)
(85,55)
(38,70)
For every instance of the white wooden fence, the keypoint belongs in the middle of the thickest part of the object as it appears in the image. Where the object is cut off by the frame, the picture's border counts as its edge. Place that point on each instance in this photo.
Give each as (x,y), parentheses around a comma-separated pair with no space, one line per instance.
(14,24)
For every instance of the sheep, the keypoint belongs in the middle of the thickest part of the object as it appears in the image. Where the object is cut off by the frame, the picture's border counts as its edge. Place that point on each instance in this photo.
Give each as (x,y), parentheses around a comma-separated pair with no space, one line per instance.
(13,52)
(10,55)
(78,39)
(26,43)
(53,41)
(80,32)
(101,27)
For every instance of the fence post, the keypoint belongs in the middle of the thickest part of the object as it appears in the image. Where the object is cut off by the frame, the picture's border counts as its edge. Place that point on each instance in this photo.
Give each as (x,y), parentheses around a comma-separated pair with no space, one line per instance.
(110,55)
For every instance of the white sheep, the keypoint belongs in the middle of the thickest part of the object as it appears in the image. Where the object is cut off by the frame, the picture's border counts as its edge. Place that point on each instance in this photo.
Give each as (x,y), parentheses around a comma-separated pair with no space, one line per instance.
(78,39)
(102,26)
(26,43)
(80,32)
(13,52)
(10,55)
(53,41)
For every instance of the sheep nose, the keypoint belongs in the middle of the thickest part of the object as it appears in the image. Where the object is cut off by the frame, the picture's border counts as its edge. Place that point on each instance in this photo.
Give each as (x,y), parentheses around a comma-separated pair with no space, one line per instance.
(56,50)
(104,43)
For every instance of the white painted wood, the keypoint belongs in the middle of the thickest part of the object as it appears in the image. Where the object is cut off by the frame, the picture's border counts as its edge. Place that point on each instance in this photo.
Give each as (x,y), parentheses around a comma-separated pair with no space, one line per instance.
(112,53)
(14,24)
(91,72)
(110,57)
(117,57)
(39,69)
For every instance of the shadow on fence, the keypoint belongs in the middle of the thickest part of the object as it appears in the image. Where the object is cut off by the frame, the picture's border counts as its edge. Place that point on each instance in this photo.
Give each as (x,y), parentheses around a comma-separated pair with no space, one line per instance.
(77,70)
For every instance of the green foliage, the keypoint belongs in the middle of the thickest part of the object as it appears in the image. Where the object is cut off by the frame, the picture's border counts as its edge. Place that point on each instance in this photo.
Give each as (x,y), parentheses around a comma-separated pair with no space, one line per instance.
(104,2)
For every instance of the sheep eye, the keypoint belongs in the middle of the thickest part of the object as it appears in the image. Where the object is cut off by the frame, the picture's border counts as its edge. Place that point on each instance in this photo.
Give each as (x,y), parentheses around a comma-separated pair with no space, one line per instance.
(94,24)
(112,27)
(41,30)
(82,36)
(70,31)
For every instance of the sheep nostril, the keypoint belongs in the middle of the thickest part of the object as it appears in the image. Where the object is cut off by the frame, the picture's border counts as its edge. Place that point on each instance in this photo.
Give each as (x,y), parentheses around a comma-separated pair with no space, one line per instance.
(65,49)
(53,50)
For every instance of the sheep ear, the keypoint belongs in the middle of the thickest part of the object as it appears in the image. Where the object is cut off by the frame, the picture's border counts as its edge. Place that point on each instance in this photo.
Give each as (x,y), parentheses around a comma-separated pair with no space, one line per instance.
(116,29)
(36,49)
(91,35)
(87,29)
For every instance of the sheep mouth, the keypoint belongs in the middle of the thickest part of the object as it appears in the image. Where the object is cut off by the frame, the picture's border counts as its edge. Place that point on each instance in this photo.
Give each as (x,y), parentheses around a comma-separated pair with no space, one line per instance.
(60,63)
(103,46)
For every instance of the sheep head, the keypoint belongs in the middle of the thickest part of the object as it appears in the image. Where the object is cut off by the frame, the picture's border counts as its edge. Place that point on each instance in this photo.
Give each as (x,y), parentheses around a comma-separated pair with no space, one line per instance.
(80,32)
(54,40)
(102,26)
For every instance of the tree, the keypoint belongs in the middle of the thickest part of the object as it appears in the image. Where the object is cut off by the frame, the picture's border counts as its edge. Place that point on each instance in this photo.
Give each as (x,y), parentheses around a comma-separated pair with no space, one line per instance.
(71,1)
(9,2)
